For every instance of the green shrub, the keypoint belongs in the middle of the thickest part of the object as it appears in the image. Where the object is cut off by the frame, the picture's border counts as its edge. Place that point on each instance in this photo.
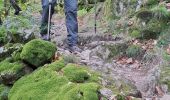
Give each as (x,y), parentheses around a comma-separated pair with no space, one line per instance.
(3,36)
(117,50)
(152,2)
(76,73)
(164,39)
(144,14)
(134,51)
(152,29)
(37,52)
(160,12)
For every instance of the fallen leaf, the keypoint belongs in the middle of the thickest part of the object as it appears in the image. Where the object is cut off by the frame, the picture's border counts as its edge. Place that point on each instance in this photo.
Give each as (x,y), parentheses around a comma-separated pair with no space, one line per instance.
(128,98)
(136,65)
(129,61)
(168,51)
(159,91)
(56,56)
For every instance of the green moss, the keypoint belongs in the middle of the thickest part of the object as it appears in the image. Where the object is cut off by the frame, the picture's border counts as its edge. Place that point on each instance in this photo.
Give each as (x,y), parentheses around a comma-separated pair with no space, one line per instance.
(8,66)
(2,87)
(135,34)
(10,71)
(120,97)
(3,35)
(82,12)
(87,91)
(37,52)
(133,2)
(48,84)
(134,51)
(4,90)
(57,65)
(37,85)
(76,73)
(165,79)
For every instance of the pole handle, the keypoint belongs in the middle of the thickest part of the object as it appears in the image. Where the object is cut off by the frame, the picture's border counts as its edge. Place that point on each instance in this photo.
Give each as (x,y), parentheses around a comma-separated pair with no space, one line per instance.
(50,2)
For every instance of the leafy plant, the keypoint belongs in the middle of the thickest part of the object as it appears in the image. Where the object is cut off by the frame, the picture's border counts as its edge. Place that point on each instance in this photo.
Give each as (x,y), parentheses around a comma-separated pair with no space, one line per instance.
(160,12)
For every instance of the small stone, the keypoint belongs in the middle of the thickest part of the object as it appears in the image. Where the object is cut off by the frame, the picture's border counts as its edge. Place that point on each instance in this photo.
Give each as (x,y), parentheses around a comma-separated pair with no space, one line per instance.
(106,92)
(130,61)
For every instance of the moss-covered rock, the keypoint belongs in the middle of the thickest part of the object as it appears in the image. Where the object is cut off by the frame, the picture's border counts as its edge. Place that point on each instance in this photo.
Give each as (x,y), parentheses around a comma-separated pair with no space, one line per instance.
(37,52)
(86,91)
(51,83)
(10,71)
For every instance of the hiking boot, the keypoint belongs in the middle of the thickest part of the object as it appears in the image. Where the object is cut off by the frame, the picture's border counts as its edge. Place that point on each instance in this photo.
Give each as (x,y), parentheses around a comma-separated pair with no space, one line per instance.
(74,49)
(17,11)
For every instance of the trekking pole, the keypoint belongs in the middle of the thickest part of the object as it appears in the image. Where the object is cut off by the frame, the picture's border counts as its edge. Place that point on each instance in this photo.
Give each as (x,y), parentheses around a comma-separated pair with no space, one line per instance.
(95,17)
(49,20)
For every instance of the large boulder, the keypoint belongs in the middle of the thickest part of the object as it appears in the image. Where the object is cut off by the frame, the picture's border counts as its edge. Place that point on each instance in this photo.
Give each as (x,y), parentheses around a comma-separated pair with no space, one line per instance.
(51,83)
(37,52)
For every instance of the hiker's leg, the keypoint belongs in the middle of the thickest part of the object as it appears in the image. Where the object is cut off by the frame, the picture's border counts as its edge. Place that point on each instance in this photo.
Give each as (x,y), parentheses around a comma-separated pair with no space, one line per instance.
(15,6)
(45,14)
(71,21)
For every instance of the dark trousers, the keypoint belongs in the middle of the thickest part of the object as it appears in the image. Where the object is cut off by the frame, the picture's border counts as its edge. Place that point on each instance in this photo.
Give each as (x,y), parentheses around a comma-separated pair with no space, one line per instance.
(71,19)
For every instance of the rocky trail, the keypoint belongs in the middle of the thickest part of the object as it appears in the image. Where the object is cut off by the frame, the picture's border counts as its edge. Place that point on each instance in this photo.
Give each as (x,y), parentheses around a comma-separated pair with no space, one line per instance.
(141,77)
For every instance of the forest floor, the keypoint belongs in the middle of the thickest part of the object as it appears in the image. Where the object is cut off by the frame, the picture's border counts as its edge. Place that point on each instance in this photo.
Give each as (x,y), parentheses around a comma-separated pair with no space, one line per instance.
(96,54)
